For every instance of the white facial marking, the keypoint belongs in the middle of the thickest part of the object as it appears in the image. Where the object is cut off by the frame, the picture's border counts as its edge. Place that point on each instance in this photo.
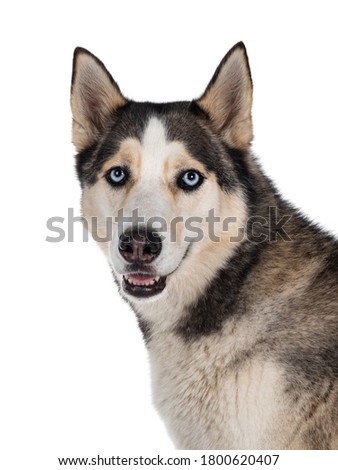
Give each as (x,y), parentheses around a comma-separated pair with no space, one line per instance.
(155,149)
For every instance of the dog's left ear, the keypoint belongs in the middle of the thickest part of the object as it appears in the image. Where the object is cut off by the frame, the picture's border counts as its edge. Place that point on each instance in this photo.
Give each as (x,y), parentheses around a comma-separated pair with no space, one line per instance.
(94,97)
(228,98)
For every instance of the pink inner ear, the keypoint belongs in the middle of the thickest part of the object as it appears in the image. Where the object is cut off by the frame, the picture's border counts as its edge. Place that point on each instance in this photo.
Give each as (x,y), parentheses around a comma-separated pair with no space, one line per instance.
(90,105)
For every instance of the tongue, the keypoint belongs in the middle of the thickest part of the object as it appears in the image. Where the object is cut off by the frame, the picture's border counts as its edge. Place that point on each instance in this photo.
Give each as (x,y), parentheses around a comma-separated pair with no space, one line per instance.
(140,280)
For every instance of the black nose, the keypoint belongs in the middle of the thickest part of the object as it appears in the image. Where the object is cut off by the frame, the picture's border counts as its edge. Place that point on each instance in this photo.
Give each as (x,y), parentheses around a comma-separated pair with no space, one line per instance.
(143,246)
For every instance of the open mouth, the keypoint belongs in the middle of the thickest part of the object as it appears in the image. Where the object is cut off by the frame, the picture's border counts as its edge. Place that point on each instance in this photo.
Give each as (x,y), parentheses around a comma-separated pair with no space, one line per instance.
(143,285)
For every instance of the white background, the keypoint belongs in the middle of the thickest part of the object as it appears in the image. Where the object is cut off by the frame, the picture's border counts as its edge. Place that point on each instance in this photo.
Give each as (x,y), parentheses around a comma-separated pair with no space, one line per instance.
(74,370)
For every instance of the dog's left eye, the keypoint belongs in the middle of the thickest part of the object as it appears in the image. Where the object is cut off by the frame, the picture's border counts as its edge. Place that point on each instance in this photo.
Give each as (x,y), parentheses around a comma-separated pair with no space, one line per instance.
(117,176)
(190,179)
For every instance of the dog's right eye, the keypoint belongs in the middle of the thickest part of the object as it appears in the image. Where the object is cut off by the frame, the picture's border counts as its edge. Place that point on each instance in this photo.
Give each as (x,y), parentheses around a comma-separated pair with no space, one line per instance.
(117,176)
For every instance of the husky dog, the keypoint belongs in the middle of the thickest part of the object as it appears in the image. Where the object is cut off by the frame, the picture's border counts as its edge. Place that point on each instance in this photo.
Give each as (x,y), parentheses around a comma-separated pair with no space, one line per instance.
(234,290)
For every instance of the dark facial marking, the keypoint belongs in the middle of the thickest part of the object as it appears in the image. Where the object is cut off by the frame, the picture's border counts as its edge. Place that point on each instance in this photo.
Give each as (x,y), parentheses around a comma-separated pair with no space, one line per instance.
(219,300)
(183,121)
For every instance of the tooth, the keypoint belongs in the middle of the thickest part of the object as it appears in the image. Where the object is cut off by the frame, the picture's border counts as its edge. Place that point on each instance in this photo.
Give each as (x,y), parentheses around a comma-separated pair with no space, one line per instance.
(135,282)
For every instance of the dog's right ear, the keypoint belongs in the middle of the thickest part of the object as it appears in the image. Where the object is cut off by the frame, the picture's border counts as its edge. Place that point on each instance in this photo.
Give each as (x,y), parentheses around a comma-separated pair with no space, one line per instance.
(94,96)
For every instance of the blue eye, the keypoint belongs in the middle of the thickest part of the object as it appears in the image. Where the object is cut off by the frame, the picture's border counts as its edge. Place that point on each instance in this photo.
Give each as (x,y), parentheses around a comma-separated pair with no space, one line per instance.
(117,176)
(190,180)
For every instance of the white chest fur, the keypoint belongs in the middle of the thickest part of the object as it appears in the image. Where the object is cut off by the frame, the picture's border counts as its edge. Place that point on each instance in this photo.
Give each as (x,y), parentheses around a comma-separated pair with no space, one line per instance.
(210,398)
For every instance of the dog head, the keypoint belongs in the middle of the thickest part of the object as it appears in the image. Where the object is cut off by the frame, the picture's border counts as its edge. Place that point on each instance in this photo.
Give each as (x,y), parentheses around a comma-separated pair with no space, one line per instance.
(161,181)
